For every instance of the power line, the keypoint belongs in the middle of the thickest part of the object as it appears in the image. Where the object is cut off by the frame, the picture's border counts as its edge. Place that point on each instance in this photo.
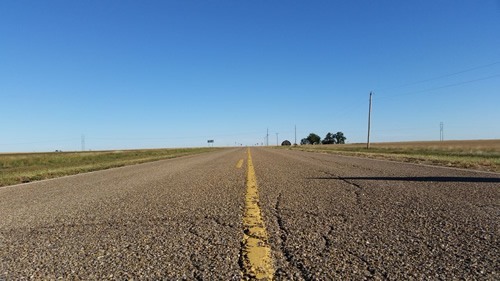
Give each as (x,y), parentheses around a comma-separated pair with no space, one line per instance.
(441,87)
(445,75)
(359,103)
(174,138)
(44,141)
(83,139)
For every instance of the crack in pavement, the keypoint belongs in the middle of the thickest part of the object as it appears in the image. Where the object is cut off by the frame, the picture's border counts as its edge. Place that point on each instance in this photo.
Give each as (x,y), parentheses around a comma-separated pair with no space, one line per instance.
(328,241)
(290,258)
(197,266)
(358,191)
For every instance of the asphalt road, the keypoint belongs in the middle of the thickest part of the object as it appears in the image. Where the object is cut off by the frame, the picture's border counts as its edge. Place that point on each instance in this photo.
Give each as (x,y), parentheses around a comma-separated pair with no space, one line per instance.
(327,217)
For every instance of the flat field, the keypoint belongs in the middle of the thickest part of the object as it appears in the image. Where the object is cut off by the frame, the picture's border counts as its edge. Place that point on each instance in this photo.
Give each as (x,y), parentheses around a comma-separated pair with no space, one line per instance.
(471,154)
(27,167)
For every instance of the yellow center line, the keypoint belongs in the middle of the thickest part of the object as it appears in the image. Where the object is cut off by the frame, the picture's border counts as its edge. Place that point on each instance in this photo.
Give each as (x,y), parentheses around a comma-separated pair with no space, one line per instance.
(256,252)
(239,164)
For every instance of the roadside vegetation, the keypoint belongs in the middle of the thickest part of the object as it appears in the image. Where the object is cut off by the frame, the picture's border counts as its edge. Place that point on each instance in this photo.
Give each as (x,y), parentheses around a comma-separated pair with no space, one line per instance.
(474,154)
(28,167)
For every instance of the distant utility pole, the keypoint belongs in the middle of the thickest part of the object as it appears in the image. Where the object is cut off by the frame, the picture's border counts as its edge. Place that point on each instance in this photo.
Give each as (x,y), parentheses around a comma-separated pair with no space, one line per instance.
(267,137)
(83,142)
(277,142)
(441,131)
(295,135)
(369,121)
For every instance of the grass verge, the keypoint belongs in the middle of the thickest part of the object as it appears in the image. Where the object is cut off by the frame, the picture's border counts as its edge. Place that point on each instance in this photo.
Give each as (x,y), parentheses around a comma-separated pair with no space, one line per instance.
(477,154)
(27,167)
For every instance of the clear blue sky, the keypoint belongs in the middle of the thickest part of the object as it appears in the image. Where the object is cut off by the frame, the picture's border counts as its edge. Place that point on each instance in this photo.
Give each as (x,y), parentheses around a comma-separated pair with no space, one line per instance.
(146,74)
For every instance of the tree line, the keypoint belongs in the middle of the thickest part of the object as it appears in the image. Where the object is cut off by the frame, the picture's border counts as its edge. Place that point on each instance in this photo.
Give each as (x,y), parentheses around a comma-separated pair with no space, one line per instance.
(337,138)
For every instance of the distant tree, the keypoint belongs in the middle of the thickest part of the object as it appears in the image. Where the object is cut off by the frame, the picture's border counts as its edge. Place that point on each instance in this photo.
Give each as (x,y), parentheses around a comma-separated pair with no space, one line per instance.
(329,139)
(313,138)
(340,138)
(304,141)
(286,143)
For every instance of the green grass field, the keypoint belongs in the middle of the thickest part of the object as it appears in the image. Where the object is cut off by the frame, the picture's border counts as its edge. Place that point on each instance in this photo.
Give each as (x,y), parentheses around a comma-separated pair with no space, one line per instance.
(27,167)
(470,154)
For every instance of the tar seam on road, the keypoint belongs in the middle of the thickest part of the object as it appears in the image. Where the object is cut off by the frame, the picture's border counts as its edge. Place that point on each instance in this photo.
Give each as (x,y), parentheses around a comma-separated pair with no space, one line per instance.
(257,263)
(239,164)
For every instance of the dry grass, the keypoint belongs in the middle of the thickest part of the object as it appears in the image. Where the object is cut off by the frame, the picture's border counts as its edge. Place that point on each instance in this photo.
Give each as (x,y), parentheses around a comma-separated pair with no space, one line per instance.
(27,167)
(471,154)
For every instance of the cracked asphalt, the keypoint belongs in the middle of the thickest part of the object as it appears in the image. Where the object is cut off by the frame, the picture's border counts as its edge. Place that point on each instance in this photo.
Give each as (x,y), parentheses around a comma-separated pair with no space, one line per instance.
(341,218)
(327,217)
(177,219)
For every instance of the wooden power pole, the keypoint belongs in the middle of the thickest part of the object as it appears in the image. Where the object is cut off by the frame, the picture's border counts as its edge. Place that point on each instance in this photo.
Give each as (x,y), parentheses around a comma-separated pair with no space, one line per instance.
(369,121)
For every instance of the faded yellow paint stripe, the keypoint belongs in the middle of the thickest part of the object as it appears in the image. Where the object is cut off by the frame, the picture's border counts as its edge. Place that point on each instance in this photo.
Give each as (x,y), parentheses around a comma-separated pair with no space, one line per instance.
(256,252)
(239,164)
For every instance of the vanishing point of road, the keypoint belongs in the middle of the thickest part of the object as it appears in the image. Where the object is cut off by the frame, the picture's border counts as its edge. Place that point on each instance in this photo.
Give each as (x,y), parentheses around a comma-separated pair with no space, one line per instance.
(258,213)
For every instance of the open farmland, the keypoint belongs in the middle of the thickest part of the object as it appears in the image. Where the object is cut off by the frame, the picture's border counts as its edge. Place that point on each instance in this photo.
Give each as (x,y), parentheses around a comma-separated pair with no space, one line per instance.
(471,154)
(27,167)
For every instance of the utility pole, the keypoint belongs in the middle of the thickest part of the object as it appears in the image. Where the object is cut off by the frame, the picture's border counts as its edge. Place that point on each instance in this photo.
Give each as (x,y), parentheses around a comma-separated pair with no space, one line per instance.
(267,137)
(277,142)
(441,131)
(83,142)
(295,143)
(369,121)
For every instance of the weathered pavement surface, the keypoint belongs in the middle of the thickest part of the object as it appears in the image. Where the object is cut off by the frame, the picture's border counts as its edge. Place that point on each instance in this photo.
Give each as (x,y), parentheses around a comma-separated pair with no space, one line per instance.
(327,217)
(172,219)
(333,217)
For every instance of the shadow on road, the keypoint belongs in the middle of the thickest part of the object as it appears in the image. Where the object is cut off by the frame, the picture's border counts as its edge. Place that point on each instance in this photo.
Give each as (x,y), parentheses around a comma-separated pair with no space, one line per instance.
(418,179)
